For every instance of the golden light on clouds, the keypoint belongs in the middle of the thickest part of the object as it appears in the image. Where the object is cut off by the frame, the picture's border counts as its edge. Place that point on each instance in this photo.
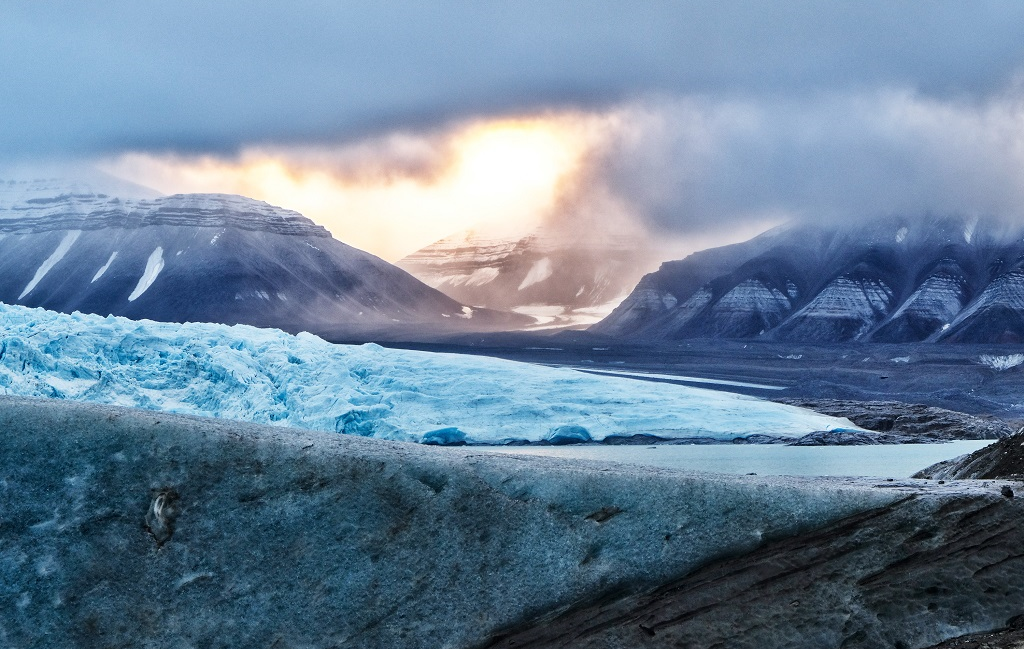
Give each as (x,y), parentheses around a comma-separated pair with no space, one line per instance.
(505,171)
(506,161)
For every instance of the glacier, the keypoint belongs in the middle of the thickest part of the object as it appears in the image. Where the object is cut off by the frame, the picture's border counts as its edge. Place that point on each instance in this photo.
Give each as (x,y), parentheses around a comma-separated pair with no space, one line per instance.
(271,377)
(129,528)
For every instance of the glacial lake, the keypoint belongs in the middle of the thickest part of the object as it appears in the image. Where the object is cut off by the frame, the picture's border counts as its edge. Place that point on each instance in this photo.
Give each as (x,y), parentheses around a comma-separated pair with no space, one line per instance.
(887,461)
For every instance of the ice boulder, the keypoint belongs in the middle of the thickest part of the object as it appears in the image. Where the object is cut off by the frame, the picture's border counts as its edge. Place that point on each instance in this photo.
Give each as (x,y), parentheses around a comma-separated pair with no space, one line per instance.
(450,436)
(570,434)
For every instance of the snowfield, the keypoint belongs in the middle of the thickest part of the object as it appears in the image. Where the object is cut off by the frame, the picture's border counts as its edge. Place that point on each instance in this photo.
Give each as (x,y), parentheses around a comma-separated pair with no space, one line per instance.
(268,376)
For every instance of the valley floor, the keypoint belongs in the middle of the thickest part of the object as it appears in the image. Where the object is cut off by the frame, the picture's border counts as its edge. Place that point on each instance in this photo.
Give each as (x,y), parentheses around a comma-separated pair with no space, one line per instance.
(975,379)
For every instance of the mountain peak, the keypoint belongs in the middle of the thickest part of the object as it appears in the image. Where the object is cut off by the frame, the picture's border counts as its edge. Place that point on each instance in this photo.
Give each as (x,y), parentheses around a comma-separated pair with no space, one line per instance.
(208,258)
(557,276)
(53,205)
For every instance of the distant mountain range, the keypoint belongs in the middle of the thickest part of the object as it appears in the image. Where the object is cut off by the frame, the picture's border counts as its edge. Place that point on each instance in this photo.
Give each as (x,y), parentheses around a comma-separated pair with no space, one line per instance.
(560,277)
(209,258)
(889,280)
(229,259)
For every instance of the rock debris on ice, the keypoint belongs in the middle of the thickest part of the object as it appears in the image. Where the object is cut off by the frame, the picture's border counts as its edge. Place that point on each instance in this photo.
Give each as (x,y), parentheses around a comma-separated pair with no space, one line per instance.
(268,376)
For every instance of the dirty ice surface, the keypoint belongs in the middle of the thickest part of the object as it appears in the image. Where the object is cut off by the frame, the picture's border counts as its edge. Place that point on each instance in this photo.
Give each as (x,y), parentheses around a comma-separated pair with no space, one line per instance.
(268,376)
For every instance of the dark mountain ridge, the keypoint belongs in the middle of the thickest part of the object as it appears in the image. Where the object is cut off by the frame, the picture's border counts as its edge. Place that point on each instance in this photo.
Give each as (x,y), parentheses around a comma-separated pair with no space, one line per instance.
(890,280)
(210,258)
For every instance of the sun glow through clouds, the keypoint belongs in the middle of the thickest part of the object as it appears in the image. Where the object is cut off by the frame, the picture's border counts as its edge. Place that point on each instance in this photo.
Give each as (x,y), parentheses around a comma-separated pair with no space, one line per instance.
(513,160)
(505,171)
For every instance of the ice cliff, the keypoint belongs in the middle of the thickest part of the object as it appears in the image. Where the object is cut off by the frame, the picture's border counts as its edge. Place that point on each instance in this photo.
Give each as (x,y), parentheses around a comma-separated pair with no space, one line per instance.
(268,376)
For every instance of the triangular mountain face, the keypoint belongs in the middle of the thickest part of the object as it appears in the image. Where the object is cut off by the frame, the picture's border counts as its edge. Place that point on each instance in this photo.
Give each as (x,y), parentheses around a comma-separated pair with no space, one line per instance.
(892,280)
(209,258)
(561,278)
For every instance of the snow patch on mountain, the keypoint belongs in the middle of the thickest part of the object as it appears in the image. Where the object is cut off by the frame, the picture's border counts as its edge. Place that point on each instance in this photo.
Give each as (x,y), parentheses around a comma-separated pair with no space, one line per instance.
(985,314)
(62,249)
(44,206)
(104,267)
(147,257)
(845,295)
(751,298)
(267,376)
(1002,363)
(689,309)
(948,278)
(969,229)
(548,316)
(478,277)
(539,272)
(154,265)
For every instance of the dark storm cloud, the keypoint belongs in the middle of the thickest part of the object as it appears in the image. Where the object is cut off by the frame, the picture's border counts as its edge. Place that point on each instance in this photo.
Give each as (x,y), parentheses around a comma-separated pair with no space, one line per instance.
(702,165)
(99,77)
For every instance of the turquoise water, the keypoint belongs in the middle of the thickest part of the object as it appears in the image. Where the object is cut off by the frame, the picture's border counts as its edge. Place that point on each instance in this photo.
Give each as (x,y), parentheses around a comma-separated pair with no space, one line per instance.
(890,461)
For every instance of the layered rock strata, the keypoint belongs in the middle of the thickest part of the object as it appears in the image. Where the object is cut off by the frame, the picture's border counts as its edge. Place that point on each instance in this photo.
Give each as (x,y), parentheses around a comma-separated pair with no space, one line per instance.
(210,258)
(895,280)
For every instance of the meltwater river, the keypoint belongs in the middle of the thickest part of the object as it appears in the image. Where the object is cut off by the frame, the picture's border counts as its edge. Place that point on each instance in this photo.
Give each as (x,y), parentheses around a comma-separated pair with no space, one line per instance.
(886,461)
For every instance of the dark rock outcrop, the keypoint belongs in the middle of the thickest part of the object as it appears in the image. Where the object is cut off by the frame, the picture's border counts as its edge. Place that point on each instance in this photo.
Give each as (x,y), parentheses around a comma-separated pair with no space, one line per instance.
(1004,459)
(1012,637)
(907,575)
(909,422)
(854,438)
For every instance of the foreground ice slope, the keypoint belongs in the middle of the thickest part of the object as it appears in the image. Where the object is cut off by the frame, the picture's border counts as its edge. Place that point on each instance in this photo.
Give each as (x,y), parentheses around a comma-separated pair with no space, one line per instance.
(267,376)
(131,528)
(127,528)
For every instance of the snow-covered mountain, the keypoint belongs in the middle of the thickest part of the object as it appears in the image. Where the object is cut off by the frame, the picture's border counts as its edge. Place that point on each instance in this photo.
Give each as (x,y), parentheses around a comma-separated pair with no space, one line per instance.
(889,280)
(268,376)
(559,276)
(210,258)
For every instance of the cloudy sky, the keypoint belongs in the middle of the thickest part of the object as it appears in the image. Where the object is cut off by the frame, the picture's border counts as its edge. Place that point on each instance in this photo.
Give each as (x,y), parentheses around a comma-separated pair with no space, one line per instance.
(396,123)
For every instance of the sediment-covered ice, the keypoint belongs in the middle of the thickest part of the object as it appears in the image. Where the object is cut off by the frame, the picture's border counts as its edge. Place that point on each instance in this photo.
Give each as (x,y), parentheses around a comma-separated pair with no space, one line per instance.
(268,376)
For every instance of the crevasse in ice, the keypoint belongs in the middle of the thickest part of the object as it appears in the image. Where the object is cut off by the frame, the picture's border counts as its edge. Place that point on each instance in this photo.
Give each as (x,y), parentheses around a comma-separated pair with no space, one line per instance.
(268,376)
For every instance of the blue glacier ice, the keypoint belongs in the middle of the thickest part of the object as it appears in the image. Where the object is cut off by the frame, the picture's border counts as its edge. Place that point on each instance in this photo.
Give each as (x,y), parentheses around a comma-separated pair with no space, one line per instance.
(268,376)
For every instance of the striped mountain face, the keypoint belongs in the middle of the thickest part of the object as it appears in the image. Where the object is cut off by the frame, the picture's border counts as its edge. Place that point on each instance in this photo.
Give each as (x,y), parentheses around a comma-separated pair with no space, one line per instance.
(208,258)
(892,280)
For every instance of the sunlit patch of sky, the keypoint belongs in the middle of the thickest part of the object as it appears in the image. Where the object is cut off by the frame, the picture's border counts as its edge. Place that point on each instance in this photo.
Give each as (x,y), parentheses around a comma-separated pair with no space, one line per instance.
(398,124)
(396,194)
